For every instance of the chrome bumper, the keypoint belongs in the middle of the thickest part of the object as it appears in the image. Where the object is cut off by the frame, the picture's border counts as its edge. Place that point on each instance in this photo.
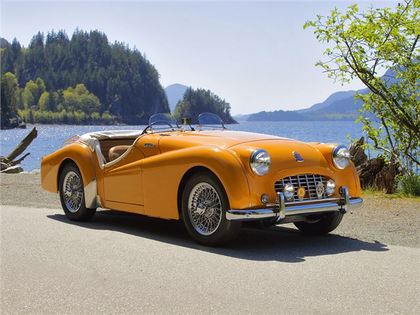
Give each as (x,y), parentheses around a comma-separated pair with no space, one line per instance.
(282,209)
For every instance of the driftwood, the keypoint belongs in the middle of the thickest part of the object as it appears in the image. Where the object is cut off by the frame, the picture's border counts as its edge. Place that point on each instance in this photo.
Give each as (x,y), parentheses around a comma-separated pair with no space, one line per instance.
(10,163)
(374,173)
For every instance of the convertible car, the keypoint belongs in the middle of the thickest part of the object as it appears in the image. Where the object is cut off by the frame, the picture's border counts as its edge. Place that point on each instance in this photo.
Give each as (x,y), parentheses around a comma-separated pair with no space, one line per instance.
(209,177)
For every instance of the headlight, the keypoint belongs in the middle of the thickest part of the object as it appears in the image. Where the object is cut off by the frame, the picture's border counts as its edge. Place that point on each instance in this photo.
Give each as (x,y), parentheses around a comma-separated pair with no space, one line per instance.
(330,187)
(341,157)
(289,192)
(260,162)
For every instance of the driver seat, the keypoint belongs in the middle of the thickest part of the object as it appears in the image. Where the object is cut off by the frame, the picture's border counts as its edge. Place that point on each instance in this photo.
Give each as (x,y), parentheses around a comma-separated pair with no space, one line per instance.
(115,152)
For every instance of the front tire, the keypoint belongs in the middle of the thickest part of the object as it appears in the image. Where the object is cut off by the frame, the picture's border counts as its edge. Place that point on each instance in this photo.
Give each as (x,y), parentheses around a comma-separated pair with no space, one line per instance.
(322,225)
(204,206)
(72,195)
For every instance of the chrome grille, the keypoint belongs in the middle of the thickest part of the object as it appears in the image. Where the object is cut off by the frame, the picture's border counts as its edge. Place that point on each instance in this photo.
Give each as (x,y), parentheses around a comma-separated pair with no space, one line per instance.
(308,181)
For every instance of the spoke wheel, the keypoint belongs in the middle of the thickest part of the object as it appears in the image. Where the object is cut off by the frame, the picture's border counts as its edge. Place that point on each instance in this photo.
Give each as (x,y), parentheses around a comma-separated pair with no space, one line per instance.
(72,195)
(72,191)
(205,209)
(204,204)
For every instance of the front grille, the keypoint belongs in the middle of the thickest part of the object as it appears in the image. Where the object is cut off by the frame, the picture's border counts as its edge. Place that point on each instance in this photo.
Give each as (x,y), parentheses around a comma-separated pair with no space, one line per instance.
(308,181)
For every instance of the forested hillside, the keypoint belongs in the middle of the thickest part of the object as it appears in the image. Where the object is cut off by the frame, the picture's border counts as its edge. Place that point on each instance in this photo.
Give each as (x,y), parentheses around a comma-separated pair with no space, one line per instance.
(198,101)
(82,79)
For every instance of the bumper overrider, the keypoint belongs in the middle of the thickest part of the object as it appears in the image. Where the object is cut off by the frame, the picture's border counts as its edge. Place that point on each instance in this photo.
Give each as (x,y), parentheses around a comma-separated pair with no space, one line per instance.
(282,210)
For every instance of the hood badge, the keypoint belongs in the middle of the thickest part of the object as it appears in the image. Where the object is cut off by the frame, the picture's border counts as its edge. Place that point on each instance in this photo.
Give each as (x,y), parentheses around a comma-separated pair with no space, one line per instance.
(297,156)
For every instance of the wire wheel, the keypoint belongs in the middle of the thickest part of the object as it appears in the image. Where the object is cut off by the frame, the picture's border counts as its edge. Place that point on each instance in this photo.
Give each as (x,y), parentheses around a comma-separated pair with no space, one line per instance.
(72,191)
(205,209)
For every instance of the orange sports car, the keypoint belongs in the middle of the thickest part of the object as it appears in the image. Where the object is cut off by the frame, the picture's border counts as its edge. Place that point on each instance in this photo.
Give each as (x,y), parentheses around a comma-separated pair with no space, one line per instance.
(209,177)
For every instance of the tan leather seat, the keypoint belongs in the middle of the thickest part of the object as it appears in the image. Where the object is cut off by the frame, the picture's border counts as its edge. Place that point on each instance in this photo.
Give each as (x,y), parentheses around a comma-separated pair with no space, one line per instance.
(117,151)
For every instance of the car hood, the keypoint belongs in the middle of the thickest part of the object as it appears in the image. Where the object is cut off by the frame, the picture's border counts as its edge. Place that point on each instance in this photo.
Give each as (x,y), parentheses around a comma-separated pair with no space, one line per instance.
(220,138)
(284,152)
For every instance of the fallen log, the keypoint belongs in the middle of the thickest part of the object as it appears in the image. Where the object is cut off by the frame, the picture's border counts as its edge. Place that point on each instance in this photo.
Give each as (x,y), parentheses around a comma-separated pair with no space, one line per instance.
(22,145)
(9,164)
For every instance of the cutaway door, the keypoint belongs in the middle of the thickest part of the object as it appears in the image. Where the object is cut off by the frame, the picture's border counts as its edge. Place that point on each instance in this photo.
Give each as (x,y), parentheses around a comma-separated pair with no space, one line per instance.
(122,181)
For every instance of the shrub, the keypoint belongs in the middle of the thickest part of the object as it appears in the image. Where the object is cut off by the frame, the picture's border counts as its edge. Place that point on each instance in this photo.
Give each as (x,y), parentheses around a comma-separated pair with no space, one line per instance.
(409,185)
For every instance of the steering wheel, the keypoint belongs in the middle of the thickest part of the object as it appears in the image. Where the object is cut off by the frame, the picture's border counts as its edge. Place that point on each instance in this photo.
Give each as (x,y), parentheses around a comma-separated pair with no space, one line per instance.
(160,122)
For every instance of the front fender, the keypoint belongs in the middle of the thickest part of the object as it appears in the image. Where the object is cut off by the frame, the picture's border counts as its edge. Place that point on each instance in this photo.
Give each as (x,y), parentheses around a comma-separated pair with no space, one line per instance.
(81,155)
(163,173)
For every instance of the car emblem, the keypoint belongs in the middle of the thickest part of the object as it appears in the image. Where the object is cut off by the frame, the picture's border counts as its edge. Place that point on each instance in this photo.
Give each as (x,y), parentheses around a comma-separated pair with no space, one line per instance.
(320,189)
(297,156)
(301,192)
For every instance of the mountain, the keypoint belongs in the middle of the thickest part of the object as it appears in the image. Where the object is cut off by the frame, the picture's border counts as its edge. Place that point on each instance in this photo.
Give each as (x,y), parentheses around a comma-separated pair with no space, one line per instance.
(241,117)
(174,93)
(335,97)
(338,106)
(277,115)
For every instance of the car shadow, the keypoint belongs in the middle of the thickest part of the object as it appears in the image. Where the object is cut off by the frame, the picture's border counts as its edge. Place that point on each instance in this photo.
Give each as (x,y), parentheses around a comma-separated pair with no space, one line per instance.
(260,244)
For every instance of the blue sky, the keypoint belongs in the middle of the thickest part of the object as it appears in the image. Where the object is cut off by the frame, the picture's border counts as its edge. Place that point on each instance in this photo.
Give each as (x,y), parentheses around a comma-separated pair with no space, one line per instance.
(256,55)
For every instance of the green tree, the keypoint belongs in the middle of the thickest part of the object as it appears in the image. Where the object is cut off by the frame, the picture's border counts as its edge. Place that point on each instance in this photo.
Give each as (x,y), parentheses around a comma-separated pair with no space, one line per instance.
(28,94)
(43,101)
(79,98)
(32,92)
(48,101)
(9,94)
(198,101)
(125,82)
(364,45)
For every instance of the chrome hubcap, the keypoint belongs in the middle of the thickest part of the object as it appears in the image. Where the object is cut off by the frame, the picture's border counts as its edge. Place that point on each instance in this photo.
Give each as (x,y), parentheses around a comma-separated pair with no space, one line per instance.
(72,191)
(205,209)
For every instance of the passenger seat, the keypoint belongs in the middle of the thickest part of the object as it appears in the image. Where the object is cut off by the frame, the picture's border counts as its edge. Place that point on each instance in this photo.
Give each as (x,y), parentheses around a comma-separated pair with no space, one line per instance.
(117,151)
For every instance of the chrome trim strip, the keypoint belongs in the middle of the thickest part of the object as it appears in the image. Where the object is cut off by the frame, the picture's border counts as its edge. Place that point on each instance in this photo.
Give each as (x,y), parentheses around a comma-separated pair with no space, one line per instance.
(249,214)
(282,210)
(304,202)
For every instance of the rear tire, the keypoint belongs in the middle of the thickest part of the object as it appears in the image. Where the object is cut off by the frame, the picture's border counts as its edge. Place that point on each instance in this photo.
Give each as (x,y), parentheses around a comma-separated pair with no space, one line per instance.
(326,223)
(72,195)
(204,206)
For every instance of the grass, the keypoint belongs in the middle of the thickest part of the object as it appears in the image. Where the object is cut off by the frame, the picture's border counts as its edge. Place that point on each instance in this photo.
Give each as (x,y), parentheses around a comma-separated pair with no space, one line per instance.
(372,192)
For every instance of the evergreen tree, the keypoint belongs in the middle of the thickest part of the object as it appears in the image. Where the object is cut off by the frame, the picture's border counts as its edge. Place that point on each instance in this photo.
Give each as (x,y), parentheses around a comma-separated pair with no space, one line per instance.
(199,101)
(9,94)
(123,80)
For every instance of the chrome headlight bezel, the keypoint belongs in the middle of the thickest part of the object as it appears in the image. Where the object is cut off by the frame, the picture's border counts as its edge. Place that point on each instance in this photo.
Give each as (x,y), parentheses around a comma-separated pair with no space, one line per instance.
(330,187)
(260,162)
(289,192)
(341,157)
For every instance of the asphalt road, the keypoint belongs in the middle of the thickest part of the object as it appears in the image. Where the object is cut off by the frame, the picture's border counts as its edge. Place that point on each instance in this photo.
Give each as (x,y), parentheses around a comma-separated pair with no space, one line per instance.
(122,263)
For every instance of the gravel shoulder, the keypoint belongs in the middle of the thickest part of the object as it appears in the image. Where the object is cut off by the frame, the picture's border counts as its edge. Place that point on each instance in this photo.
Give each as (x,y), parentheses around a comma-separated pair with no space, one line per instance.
(383,219)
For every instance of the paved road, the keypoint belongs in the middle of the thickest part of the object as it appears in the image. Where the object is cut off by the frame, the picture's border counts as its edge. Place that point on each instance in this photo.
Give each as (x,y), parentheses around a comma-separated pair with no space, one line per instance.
(130,264)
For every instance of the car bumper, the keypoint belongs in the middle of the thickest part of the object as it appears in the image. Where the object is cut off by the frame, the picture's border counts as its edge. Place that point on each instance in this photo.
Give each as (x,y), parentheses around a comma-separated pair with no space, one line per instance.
(282,209)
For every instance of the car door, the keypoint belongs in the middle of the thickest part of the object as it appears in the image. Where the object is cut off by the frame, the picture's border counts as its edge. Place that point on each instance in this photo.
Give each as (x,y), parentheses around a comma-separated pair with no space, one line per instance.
(122,182)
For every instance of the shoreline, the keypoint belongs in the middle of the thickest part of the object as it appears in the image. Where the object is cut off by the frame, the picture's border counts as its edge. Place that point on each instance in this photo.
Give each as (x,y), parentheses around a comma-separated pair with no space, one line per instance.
(389,220)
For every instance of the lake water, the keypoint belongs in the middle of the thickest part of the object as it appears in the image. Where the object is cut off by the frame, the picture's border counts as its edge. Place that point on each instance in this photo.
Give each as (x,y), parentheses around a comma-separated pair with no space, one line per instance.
(52,137)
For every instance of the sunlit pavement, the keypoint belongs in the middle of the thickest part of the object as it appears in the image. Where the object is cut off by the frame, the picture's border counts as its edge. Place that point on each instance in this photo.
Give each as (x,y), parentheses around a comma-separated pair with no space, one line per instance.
(121,263)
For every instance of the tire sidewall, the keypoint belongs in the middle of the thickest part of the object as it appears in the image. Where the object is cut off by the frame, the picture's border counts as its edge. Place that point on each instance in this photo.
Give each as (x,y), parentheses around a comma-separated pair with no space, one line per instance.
(326,224)
(227,230)
(83,212)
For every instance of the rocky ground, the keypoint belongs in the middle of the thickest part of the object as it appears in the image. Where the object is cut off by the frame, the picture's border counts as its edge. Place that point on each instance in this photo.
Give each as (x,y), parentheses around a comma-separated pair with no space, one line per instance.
(386,219)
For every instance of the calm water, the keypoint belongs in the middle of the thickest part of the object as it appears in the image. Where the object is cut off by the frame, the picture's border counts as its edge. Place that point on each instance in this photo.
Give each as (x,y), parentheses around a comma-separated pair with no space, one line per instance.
(52,137)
